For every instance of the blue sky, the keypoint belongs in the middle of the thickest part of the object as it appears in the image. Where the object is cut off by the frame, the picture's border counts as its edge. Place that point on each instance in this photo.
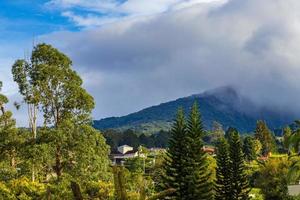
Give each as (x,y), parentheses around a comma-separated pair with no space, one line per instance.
(25,19)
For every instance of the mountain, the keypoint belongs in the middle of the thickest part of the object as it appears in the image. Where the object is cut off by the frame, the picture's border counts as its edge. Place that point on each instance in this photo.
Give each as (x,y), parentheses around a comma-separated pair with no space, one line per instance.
(224,105)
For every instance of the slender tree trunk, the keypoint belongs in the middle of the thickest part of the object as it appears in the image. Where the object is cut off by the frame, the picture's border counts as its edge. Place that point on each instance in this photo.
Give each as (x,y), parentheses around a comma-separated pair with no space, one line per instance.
(32,113)
(76,191)
(3,113)
(13,161)
(48,193)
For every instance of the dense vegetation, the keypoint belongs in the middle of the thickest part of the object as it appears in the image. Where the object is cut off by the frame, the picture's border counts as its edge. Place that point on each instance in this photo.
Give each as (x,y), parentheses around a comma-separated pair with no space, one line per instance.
(66,158)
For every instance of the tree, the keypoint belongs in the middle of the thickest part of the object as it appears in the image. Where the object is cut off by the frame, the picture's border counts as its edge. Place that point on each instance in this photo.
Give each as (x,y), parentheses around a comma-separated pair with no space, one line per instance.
(287,133)
(198,177)
(9,139)
(264,135)
(130,138)
(249,148)
(257,146)
(273,179)
(223,174)
(174,162)
(48,82)
(239,180)
(21,71)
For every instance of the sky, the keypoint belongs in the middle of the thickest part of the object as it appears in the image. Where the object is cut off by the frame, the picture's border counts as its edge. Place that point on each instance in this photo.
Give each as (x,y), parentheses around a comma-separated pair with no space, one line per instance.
(136,53)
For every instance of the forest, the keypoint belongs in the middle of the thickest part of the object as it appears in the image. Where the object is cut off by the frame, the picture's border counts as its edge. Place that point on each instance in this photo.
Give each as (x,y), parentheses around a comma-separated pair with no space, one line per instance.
(65,157)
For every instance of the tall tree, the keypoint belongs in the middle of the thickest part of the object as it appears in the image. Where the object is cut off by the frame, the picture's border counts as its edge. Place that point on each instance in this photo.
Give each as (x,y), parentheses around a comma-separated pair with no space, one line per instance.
(264,135)
(239,180)
(174,162)
(9,139)
(287,133)
(49,81)
(198,176)
(249,148)
(61,95)
(21,71)
(223,172)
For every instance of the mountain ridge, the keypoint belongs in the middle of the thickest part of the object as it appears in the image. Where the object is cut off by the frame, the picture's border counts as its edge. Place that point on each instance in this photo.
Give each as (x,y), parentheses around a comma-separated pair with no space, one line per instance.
(224,105)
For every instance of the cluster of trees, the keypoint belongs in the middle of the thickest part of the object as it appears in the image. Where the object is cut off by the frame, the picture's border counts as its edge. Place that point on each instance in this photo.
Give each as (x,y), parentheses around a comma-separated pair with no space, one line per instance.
(41,162)
(115,138)
(187,170)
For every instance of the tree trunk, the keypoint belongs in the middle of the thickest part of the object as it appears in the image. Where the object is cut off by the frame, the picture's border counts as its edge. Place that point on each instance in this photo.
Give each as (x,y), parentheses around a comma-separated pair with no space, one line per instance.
(58,165)
(76,191)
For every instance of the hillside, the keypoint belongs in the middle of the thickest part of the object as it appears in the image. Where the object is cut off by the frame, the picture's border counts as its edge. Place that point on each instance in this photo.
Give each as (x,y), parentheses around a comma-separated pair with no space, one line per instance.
(223,105)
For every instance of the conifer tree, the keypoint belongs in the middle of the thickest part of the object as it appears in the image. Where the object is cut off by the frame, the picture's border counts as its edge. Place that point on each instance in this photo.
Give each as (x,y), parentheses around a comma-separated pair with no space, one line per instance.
(198,177)
(287,133)
(249,148)
(223,172)
(239,180)
(174,161)
(264,135)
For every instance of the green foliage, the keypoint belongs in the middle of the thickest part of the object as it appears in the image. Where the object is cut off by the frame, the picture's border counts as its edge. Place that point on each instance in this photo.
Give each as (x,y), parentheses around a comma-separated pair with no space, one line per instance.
(173,176)
(67,149)
(196,171)
(249,148)
(186,165)
(287,133)
(273,179)
(239,180)
(224,172)
(265,136)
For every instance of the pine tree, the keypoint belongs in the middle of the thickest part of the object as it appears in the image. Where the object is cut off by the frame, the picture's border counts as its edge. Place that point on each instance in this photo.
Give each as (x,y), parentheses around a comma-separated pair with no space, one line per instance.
(198,177)
(223,172)
(287,133)
(174,161)
(249,148)
(264,135)
(239,180)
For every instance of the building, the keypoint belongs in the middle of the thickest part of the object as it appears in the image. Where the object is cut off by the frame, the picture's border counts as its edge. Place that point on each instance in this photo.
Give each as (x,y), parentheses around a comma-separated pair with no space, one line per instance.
(294,190)
(124,152)
(209,150)
(124,149)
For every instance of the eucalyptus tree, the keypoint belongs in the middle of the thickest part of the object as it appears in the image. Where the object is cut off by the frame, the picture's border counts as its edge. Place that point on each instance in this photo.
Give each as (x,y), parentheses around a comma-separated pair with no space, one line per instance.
(22,75)
(49,82)
(21,71)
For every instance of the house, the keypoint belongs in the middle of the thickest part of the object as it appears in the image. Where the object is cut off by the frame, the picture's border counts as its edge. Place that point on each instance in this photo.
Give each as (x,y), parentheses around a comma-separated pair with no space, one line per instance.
(124,152)
(208,150)
(124,149)
(294,190)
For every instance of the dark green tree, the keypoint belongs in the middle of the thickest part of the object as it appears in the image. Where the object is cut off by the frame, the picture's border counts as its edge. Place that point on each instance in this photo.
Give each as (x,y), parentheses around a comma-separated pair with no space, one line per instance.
(239,180)
(197,178)
(174,162)
(287,133)
(223,172)
(249,148)
(265,136)
(130,138)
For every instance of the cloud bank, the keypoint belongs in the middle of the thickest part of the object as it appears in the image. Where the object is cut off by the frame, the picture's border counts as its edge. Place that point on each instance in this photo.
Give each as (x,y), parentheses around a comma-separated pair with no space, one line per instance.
(127,65)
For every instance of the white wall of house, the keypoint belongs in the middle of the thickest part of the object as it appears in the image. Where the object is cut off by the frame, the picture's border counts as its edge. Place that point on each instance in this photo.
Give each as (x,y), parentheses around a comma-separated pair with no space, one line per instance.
(124,149)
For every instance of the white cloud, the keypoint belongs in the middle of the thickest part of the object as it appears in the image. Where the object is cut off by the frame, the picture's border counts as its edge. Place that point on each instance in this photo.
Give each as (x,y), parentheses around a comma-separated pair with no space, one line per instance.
(100,12)
(250,44)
